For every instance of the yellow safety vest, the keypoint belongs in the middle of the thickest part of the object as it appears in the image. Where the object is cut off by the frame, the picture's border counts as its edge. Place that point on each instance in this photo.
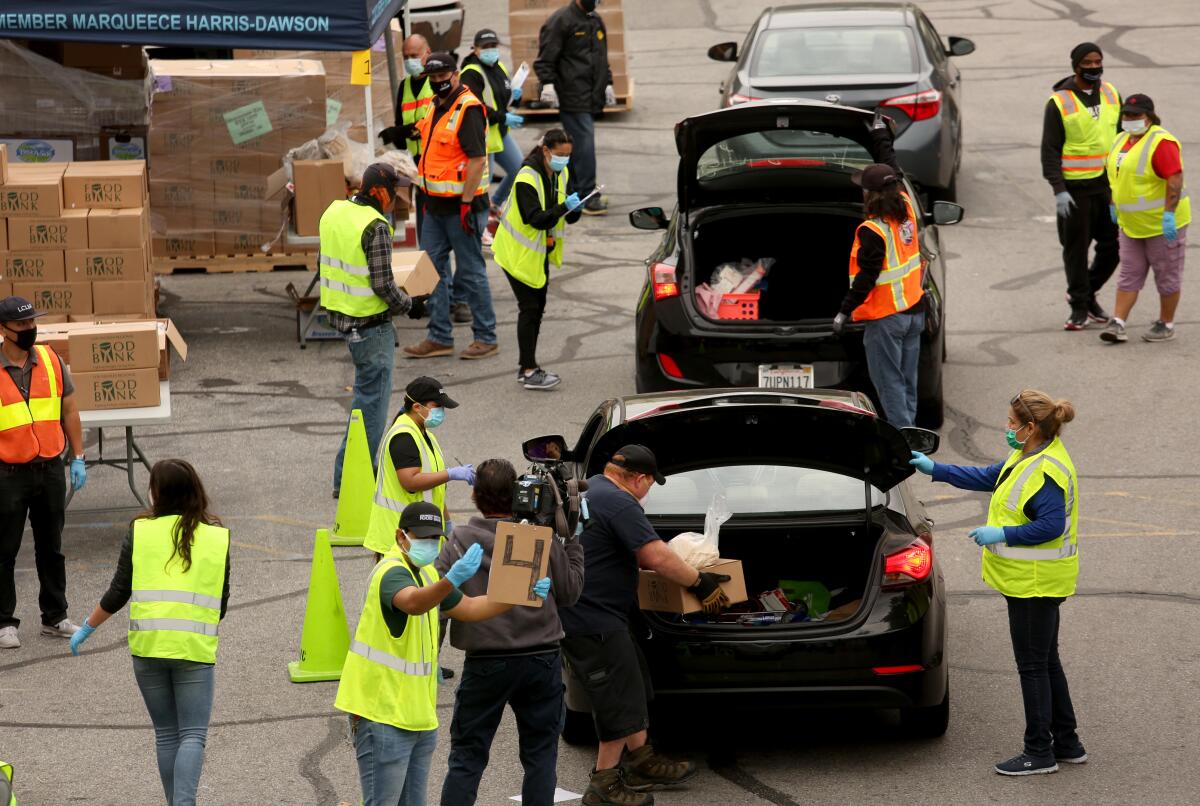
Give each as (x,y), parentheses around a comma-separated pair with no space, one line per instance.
(6,783)
(520,249)
(495,143)
(1048,569)
(1140,194)
(174,613)
(1088,139)
(413,108)
(390,496)
(390,680)
(345,275)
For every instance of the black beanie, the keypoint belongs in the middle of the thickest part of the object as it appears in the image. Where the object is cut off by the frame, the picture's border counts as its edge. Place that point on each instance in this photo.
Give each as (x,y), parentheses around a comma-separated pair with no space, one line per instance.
(1083,49)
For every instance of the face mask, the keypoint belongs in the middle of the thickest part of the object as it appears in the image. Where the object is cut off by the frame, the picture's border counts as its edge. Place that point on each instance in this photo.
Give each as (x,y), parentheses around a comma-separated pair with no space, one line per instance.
(1093,75)
(489,56)
(589,5)
(25,339)
(442,88)
(1134,126)
(413,67)
(422,551)
(557,163)
(1010,436)
(436,417)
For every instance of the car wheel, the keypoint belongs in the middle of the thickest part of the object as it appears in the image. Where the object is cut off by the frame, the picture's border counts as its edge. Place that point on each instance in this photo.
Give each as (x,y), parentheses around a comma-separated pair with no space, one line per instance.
(929,722)
(578,729)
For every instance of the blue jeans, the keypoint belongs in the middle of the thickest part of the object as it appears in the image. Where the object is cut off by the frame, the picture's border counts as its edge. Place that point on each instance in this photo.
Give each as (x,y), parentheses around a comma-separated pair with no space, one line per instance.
(510,160)
(442,234)
(532,685)
(582,128)
(179,697)
(893,345)
(393,763)
(374,355)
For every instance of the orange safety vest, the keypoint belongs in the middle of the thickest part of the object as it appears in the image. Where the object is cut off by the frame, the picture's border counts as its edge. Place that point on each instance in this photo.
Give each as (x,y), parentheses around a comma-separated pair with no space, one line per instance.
(898,287)
(443,165)
(33,430)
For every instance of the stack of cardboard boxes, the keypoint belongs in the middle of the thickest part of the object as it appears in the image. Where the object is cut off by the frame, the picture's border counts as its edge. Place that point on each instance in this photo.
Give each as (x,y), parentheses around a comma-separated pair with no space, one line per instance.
(75,238)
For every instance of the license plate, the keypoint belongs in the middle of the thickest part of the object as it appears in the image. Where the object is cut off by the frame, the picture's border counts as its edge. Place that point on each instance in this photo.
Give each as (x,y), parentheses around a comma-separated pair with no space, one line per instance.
(785,376)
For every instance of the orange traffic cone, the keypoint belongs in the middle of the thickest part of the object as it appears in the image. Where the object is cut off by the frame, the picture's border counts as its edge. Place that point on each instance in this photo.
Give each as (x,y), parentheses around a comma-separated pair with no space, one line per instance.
(358,487)
(326,636)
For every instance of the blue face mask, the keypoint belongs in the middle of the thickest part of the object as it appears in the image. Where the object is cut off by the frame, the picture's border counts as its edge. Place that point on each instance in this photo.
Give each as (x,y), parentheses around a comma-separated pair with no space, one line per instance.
(436,417)
(422,551)
(1010,436)
(413,67)
(557,163)
(489,56)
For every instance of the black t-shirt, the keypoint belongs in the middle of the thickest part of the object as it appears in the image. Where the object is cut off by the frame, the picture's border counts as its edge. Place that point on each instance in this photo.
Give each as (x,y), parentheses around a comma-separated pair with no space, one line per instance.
(403,449)
(615,531)
(472,136)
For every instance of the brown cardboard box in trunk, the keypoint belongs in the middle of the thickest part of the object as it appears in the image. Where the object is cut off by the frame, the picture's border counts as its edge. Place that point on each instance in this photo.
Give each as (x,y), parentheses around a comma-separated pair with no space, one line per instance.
(116,389)
(95,265)
(118,229)
(68,231)
(520,557)
(61,299)
(661,594)
(32,267)
(318,184)
(107,185)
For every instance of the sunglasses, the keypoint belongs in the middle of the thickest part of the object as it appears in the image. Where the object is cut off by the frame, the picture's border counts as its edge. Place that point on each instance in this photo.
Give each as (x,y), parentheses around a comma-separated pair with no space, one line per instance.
(1017,401)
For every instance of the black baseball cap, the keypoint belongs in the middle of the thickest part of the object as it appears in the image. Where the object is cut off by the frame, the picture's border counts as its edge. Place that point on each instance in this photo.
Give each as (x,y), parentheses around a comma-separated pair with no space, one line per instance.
(486,36)
(639,459)
(440,62)
(422,519)
(17,309)
(875,176)
(424,389)
(1138,104)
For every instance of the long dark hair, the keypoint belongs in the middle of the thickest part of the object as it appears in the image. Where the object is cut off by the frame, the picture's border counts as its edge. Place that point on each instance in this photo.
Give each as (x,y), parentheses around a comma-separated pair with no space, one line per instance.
(552,140)
(886,203)
(175,489)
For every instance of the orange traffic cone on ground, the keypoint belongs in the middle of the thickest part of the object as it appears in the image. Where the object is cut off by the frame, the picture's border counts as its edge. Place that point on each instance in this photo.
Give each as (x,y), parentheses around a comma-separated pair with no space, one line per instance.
(358,487)
(326,636)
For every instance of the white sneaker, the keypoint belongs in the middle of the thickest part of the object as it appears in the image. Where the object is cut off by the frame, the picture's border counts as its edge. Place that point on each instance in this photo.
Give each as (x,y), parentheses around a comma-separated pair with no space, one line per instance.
(63,629)
(8,638)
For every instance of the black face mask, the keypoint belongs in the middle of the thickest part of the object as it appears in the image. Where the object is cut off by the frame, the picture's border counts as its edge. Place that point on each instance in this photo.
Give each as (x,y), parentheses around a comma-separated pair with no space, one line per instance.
(24,339)
(441,88)
(1092,75)
(588,5)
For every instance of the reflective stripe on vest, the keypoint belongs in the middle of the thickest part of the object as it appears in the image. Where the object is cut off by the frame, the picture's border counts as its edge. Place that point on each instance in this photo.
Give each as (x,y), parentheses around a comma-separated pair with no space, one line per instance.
(173,624)
(391,661)
(443,164)
(1068,548)
(1087,139)
(898,286)
(520,249)
(33,429)
(345,275)
(1139,194)
(495,142)
(413,108)
(187,597)
(390,496)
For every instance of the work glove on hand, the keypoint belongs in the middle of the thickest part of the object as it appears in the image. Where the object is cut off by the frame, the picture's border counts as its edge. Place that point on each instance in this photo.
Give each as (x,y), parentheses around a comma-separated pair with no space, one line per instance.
(410,133)
(462,473)
(466,218)
(419,307)
(390,136)
(549,95)
(610,96)
(82,634)
(541,588)
(513,121)
(708,590)
(921,462)
(78,474)
(839,324)
(466,567)
(987,535)
(516,95)
(1169,231)
(572,202)
(1112,212)
(1063,203)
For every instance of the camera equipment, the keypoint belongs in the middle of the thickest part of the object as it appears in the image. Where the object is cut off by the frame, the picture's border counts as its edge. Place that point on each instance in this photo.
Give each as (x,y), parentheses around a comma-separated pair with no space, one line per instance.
(548,495)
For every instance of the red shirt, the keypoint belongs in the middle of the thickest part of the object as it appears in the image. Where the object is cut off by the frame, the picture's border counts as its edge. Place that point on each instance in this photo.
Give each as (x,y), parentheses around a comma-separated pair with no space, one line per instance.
(1166,160)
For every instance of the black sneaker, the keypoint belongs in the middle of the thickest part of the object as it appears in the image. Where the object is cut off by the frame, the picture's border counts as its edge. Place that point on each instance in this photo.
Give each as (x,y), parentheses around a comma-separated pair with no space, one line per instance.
(1077,756)
(447,674)
(541,380)
(460,313)
(1115,332)
(1077,321)
(520,375)
(595,206)
(1097,314)
(1026,765)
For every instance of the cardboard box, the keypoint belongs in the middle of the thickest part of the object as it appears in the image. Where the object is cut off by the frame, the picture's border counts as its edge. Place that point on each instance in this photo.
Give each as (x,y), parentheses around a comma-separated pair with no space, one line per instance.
(189,244)
(414,272)
(116,389)
(124,143)
(180,194)
(240,188)
(68,231)
(230,166)
(318,184)
(97,265)
(107,347)
(32,267)
(529,22)
(3,234)
(658,593)
(61,299)
(520,557)
(168,336)
(127,227)
(3,164)
(105,185)
(168,145)
(30,192)
(120,296)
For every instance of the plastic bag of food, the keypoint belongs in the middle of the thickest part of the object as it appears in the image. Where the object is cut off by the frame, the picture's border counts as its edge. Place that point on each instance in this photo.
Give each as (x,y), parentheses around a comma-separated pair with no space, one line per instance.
(726,277)
(708,300)
(753,276)
(702,550)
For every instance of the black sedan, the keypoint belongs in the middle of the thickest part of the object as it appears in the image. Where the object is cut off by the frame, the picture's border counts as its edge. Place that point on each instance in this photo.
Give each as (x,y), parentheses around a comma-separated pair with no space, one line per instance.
(816,484)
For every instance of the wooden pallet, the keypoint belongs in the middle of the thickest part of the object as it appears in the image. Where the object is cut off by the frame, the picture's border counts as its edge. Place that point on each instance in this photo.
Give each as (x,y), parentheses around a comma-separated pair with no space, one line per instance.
(624,104)
(227,264)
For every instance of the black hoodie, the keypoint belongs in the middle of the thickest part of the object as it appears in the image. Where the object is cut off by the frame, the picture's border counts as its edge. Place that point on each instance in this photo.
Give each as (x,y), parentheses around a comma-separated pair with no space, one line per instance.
(1053,137)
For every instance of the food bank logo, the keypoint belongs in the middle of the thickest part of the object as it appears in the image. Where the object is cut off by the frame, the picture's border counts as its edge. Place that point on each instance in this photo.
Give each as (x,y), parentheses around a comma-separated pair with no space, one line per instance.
(100,266)
(115,391)
(27,267)
(48,234)
(112,353)
(47,299)
(21,200)
(103,193)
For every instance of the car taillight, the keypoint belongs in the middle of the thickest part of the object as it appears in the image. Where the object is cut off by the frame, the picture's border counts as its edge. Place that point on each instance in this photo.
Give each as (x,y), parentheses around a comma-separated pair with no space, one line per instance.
(662,277)
(917,105)
(913,563)
(739,98)
(669,366)
(909,669)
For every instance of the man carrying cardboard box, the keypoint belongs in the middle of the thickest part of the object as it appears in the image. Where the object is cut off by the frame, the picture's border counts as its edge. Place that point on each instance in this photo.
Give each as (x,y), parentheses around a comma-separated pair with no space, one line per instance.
(603,656)
(38,416)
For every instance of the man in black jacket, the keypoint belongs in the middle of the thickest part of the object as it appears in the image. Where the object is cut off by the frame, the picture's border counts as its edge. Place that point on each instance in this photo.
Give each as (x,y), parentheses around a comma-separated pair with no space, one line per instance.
(572,66)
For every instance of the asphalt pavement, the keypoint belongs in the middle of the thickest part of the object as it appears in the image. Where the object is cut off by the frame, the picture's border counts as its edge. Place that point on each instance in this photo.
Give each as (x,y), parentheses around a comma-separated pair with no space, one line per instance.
(261,420)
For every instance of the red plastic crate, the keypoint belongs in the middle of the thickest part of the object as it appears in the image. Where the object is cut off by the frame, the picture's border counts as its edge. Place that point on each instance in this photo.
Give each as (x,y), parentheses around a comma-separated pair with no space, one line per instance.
(738,306)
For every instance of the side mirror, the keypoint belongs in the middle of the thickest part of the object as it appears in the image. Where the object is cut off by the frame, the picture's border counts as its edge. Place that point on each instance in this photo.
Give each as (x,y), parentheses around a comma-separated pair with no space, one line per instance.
(649,218)
(546,449)
(920,439)
(945,212)
(960,46)
(724,52)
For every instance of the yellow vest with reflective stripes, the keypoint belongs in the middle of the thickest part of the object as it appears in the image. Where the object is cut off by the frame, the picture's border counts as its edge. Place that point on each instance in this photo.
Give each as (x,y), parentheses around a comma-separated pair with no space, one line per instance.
(345,275)
(390,496)
(413,108)
(520,249)
(1140,194)
(7,773)
(495,143)
(1047,569)
(174,613)
(1088,139)
(390,680)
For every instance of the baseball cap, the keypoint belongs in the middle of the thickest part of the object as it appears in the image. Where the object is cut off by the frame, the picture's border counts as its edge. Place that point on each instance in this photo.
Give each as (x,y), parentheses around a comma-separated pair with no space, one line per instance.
(422,519)
(639,459)
(1138,103)
(486,36)
(424,389)
(440,62)
(875,176)
(17,309)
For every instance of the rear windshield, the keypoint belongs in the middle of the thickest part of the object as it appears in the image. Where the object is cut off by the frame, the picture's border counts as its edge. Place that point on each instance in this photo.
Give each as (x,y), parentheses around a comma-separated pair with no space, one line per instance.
(833,51)
(759,490)
(797,149)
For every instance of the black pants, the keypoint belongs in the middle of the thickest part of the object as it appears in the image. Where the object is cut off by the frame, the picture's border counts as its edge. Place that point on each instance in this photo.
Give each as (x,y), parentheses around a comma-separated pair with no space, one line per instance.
(1049,715)
(531,304)
(1088,221)
(37,492)
(532,686)
(612,670)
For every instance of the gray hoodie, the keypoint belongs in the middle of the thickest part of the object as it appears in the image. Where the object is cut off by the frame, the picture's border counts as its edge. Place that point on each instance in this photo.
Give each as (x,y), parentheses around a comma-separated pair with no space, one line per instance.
(521,629)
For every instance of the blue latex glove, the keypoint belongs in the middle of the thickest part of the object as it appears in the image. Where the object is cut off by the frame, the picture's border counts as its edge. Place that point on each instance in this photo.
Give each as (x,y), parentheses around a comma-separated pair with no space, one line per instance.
(462,473)
(572,202)
(1112,212)
(1063,203)
(987,535)
(78,474)
(513,120)
(516,94)
(921,462)
(466,567)
(1169,226)
(85,631)
(541,588)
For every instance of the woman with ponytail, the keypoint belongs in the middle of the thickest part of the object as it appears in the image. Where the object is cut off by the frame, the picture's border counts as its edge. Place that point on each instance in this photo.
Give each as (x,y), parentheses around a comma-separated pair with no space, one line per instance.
(174,566)
(1031,556)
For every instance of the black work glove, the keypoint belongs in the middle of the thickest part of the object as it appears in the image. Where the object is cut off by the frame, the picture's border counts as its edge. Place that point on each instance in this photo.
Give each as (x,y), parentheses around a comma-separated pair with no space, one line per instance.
(390,136)
(839,324)
(419,307)
(412,132)
(708,590)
